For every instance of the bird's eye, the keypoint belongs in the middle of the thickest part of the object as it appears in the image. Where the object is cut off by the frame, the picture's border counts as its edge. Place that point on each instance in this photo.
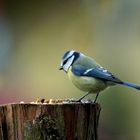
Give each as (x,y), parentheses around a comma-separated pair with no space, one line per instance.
(65,61)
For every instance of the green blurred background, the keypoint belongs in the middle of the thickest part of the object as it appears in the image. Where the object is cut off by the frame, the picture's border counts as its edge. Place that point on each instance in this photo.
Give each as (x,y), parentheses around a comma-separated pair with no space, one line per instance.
(35,34)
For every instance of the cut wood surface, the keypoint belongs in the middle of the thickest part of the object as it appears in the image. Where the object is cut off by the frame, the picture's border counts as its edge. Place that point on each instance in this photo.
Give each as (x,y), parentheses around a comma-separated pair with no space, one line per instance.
(50,121)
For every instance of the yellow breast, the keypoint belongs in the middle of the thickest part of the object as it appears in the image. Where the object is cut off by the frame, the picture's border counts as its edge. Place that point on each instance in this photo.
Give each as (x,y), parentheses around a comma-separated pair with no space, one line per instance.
(88,84)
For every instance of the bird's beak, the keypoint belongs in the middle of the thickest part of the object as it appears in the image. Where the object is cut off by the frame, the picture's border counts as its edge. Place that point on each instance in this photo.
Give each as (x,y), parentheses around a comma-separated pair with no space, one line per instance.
(61,68)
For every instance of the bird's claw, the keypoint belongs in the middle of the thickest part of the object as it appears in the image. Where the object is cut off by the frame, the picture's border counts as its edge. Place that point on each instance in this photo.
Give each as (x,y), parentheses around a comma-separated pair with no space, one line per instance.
(72,100)
(79,101)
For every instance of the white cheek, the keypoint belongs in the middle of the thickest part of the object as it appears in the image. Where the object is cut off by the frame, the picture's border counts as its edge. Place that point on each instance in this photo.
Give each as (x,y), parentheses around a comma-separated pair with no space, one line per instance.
(68,64)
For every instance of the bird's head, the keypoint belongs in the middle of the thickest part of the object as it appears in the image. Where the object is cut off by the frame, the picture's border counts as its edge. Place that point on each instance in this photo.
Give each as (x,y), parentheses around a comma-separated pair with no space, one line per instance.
(68,59)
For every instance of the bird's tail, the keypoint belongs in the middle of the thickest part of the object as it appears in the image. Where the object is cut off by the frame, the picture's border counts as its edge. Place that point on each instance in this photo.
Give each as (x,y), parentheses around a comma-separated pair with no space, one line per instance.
(131,85)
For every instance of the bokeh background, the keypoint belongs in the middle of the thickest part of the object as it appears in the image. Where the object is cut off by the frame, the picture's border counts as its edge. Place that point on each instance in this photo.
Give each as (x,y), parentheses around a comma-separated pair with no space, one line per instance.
(35,34)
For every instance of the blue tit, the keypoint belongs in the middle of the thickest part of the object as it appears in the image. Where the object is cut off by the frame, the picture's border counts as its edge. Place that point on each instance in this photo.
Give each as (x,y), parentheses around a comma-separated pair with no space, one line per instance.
(87,75)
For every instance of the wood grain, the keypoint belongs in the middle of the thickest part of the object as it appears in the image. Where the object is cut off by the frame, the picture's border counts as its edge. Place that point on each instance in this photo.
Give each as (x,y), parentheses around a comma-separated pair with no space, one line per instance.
(55,121)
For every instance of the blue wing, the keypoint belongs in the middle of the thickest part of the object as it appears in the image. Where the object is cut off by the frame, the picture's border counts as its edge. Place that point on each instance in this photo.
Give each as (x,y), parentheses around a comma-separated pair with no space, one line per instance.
(99,73)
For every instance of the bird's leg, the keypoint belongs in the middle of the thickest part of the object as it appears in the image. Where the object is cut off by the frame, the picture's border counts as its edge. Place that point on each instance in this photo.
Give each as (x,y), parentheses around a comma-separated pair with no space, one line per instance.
(83,96)
(96,97)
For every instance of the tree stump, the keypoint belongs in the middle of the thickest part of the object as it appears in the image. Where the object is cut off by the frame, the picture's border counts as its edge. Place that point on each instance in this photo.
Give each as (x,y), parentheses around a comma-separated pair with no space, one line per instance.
(49,121)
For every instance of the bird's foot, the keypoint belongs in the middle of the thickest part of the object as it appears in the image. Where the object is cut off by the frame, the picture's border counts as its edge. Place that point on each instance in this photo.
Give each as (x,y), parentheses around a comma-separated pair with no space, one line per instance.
(79,101)
(72,100)
(88,101)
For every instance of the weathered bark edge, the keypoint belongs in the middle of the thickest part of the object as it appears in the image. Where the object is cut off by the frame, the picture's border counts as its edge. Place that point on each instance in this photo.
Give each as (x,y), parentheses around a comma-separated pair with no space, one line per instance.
(71,121)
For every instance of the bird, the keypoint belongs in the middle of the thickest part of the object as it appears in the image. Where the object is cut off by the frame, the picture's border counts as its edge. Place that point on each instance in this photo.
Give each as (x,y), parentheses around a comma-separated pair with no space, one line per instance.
(89,76)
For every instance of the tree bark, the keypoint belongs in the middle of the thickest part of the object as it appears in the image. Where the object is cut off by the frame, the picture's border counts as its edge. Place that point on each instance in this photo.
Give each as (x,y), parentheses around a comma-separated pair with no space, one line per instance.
(51,121)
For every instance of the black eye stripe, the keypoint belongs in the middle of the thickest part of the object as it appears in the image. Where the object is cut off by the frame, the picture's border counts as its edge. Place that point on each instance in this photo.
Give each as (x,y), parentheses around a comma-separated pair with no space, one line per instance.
(76,56)
(65,61)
